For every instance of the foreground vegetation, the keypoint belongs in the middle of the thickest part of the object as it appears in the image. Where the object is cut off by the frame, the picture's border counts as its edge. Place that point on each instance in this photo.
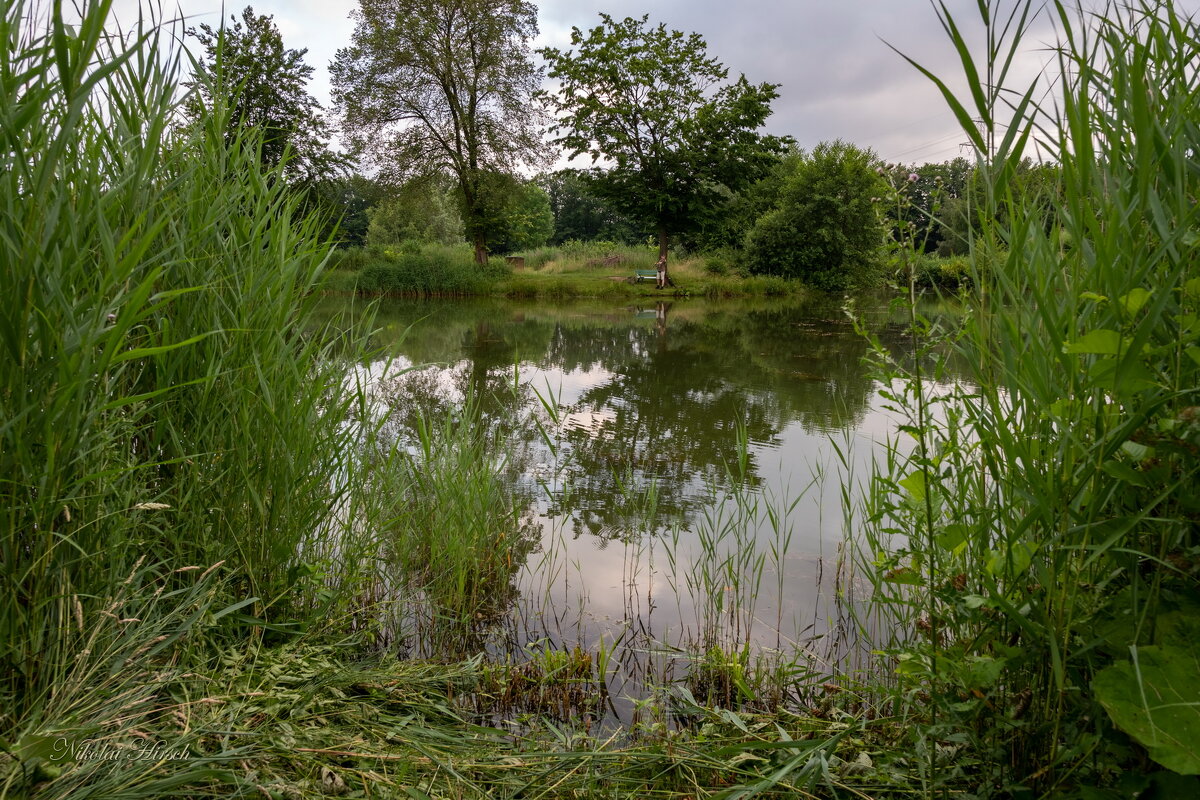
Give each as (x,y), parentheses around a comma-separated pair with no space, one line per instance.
(184,506)
(197,503)
(1037,548)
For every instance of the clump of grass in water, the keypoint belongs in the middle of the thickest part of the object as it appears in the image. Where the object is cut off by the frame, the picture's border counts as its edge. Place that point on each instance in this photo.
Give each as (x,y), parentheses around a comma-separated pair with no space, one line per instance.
(565,684)
(459,537)
(1048,511)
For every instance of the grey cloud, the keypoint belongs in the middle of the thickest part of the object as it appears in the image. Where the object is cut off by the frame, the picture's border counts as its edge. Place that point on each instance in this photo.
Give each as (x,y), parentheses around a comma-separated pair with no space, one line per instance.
(838,76)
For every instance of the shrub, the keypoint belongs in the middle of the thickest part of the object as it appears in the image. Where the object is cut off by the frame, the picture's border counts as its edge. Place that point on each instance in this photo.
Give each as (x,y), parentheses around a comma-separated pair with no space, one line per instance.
(350,259)
(949,272)
(427,270)
(724,261)
(824,229)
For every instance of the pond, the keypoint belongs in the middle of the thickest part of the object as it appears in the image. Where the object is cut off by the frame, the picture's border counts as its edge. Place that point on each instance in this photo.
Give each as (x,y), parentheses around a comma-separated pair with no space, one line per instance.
(679,466)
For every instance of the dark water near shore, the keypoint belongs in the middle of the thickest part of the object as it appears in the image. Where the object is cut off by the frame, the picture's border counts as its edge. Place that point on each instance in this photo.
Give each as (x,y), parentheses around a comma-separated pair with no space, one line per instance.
(689,482)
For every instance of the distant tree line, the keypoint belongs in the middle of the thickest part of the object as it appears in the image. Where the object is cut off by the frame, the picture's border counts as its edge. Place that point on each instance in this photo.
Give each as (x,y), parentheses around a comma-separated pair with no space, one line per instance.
(443,104)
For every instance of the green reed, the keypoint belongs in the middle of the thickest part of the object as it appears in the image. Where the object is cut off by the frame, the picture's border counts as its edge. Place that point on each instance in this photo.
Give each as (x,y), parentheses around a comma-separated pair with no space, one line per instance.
(461,534)
(1041,535)
(165,407)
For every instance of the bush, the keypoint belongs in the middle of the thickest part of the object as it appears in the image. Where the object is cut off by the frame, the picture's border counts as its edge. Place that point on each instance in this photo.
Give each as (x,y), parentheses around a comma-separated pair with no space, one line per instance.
(724,261)
(824,229)
(427,270)
(950,272)
(350,259)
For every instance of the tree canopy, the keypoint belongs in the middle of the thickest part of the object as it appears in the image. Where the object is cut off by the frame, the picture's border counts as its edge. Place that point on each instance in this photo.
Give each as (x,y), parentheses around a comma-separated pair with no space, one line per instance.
(431,86)
(246,66)
(578,214)
(674,137)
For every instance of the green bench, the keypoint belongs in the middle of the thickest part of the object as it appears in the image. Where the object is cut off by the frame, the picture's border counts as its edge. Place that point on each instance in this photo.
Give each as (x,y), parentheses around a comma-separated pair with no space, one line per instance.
(645,275)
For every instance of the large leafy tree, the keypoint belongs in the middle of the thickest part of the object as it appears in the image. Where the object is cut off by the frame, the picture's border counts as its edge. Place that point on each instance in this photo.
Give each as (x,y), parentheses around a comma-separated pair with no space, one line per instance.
(668,134)
(263,83)
(431,86)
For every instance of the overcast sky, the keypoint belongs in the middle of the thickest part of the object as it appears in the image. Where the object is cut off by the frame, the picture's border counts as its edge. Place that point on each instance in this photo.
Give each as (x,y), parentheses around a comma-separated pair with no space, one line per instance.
(838,77)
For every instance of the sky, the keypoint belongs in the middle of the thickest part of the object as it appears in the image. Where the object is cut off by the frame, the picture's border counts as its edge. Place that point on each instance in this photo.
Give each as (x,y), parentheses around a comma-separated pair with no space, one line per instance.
(838,77)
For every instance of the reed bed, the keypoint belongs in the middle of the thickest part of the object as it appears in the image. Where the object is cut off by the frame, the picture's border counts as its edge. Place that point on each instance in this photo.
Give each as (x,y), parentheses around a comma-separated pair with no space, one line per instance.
(170,428)
(1035,551)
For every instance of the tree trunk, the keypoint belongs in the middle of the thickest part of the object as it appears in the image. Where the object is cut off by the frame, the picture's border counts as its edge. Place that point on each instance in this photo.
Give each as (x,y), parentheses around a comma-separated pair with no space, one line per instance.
(481,256)
(663,279)
(471,213)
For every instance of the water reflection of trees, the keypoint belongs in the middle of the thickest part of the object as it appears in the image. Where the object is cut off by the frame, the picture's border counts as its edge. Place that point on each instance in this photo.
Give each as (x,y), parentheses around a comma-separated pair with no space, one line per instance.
(677,380)
(681,385)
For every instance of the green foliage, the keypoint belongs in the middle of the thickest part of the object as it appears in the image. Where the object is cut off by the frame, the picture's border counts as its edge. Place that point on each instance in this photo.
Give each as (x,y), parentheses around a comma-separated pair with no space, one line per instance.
(650,101)
(723,261)
(932,207)
(1156,700)
(443,87)
(1035,547)
(459,535)
(824,228)
(422,211)
(343,205)
(517,215)
(165,406)
(248,70)
(942,205)
(937,272)
(424,270)
(579,215)
(530,220)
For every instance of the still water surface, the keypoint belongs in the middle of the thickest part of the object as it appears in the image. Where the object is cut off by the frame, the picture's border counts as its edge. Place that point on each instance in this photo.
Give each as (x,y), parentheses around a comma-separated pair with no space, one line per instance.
(652,524)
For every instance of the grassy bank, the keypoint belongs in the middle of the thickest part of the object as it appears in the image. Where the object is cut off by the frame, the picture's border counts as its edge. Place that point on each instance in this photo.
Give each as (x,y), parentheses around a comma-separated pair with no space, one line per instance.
(573,270)
(308,721)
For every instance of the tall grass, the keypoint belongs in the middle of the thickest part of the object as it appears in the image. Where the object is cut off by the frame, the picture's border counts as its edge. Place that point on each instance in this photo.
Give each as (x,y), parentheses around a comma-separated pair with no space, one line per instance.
(1037,550)
(598,254)
(460,534)
(164,409)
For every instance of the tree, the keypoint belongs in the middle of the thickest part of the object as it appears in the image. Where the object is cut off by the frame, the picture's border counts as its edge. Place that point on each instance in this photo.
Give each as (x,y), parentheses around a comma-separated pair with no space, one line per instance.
(825,227)
(525,219)
(649,101)
(578,214)
(929,202)
(341,203)
(246,66)
(431,86)
(422,210)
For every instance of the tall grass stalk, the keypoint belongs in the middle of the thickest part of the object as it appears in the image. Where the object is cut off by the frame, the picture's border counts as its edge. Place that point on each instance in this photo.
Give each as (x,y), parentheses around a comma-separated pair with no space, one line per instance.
(459,532)
(1043,532)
